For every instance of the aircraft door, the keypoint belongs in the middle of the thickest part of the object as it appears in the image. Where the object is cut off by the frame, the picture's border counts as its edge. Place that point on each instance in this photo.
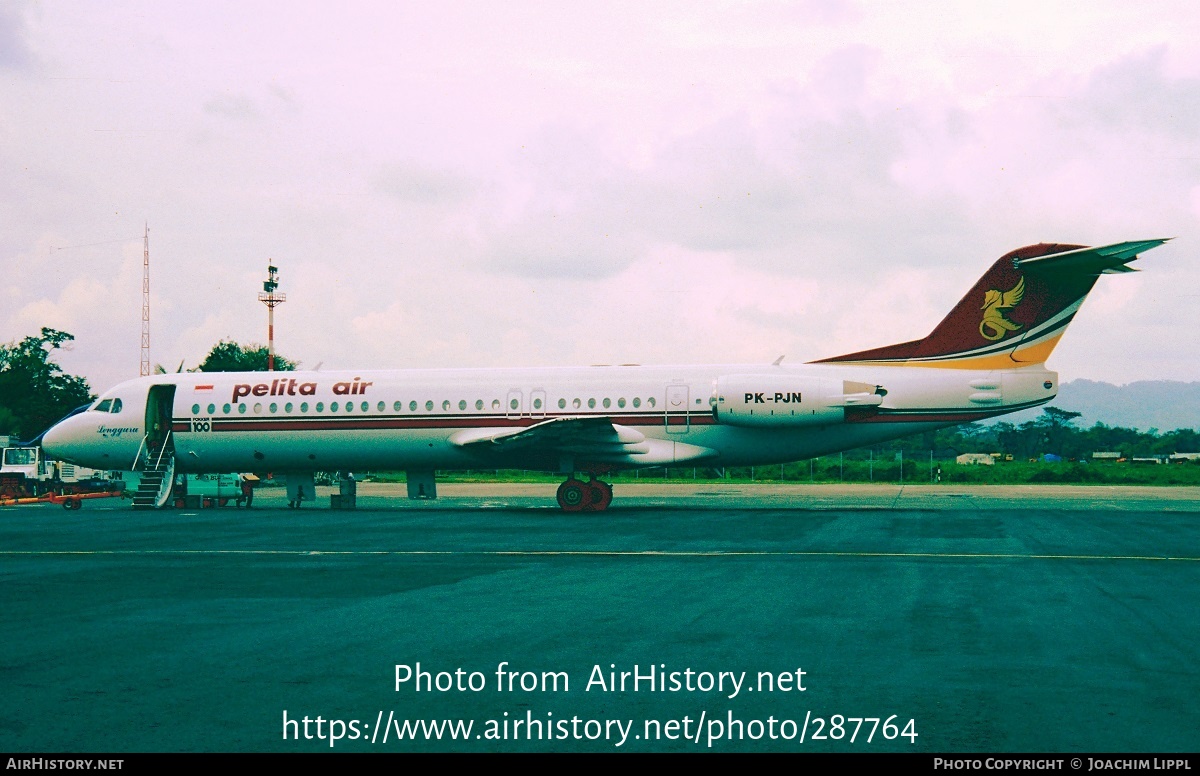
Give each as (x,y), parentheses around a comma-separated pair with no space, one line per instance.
(675,413)
(512,407)
(160,405)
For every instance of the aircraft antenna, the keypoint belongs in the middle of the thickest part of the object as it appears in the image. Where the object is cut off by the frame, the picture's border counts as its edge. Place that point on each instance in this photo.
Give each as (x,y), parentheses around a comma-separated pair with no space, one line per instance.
(144,369)
(271,299)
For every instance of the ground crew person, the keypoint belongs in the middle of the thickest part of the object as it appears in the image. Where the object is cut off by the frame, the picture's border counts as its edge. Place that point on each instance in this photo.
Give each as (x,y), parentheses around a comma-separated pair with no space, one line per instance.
(246,484)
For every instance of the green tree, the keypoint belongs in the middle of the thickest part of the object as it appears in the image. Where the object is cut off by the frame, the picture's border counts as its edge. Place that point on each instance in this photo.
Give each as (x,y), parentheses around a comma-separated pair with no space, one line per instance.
(1181,440)
(34,391)
(1127,441)
(1059,434)
(229,356)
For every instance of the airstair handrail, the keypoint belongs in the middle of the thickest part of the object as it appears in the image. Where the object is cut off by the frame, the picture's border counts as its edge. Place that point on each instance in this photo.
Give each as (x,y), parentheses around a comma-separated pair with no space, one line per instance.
(138,455)
(162,450)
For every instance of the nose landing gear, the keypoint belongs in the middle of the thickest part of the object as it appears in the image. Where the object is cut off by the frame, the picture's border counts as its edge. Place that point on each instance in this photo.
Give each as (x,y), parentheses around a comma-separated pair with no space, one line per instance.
(578,496)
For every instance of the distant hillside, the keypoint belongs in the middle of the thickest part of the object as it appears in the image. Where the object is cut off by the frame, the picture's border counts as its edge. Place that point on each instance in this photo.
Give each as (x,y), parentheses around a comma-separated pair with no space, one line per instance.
(1162,404)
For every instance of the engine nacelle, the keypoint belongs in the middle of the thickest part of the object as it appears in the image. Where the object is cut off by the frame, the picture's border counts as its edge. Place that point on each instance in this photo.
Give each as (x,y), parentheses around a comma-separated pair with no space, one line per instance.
(783,401)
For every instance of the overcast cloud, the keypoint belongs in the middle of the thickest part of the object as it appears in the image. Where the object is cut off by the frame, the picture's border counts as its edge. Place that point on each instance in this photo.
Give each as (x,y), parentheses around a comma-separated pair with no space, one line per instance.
(486,184)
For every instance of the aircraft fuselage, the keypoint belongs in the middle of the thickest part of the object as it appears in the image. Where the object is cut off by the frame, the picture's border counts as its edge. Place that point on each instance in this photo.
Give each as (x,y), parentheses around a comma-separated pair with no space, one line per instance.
(720,415)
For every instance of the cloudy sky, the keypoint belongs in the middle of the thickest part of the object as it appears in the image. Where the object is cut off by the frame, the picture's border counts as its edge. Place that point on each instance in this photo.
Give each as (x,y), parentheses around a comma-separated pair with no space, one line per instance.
(489,184)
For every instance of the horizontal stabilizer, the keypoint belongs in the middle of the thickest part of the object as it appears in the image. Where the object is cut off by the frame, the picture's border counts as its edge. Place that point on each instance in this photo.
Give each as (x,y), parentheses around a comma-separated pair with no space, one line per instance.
(1107,259)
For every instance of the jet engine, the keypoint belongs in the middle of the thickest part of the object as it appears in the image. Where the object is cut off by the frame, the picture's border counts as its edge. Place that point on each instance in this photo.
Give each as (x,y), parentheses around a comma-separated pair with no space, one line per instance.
(788,401)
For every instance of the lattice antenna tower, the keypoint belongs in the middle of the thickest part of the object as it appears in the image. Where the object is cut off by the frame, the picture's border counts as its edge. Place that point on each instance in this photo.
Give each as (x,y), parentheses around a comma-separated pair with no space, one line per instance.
(271,299)
(144,370)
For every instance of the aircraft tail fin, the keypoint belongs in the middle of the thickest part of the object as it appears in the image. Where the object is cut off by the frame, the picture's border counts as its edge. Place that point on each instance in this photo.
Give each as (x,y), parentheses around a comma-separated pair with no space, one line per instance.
(1016,313)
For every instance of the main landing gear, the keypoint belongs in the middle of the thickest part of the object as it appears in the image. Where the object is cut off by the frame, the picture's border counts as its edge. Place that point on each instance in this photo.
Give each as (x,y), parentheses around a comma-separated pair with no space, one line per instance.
(579,496)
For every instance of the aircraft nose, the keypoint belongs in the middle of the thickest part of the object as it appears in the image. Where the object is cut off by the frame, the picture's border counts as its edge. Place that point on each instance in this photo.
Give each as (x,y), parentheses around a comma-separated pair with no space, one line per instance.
(56,441)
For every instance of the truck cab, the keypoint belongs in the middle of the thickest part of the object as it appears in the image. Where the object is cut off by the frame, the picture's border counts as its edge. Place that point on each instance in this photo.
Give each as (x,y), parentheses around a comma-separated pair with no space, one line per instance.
(25,472)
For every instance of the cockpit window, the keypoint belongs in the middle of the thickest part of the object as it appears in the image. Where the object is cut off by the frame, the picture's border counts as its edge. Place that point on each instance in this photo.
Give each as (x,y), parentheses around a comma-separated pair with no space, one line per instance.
(104,406)
(116,406)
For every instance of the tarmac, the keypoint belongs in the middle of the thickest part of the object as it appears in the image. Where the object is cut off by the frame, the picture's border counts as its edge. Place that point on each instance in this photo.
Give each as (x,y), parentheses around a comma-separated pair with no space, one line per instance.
(1049,619)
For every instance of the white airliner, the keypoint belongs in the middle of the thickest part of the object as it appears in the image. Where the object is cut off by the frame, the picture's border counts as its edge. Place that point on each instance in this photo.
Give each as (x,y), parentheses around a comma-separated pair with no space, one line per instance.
(986,358)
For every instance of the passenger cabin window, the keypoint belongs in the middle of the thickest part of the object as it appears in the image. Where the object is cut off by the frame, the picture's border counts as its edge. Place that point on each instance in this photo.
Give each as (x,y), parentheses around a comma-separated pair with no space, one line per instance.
(212,409)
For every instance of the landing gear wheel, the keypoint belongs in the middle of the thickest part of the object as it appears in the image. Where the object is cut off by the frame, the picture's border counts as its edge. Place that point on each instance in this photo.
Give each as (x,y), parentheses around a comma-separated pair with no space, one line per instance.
(601,495)
(573,495)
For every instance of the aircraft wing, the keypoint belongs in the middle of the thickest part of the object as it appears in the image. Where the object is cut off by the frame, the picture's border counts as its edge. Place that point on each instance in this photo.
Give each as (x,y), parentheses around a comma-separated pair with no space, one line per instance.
(591,438)
(560,434)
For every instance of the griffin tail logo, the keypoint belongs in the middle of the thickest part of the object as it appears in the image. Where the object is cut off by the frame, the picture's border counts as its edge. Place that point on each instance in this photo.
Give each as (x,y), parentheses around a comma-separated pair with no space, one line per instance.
(994,325)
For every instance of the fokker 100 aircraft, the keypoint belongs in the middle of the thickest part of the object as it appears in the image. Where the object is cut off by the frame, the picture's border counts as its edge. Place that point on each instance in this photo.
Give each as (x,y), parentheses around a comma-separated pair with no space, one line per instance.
(986,358)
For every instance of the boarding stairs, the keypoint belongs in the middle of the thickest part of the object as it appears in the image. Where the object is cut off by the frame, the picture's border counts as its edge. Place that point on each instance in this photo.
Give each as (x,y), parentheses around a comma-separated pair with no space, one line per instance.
(156,464)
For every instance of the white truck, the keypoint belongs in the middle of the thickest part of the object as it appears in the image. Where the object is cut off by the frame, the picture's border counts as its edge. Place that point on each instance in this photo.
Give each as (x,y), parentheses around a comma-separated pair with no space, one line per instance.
(25,472)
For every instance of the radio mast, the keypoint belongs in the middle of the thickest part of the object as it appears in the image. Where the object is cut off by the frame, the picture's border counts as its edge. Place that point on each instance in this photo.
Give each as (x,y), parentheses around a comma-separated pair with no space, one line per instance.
(144,370)
(271,299)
